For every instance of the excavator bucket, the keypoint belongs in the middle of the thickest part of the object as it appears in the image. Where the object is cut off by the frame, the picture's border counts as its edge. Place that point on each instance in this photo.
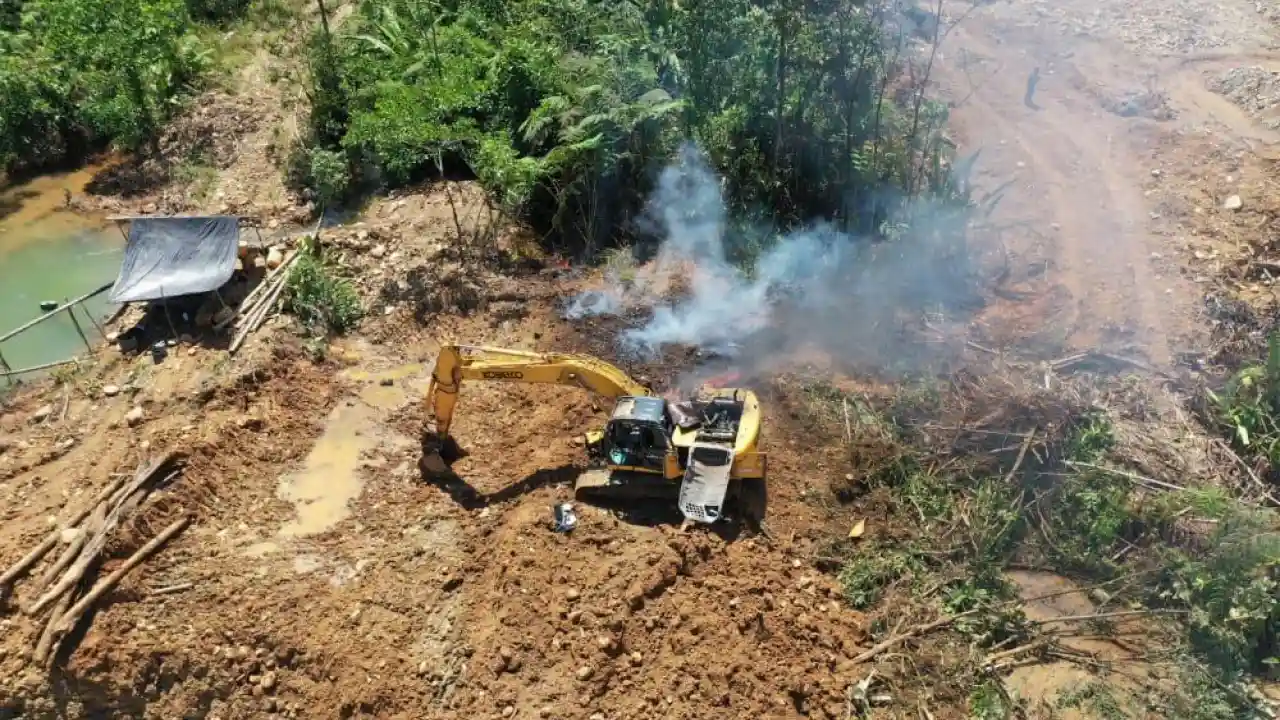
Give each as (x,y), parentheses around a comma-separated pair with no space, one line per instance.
(432,464)
(438,455)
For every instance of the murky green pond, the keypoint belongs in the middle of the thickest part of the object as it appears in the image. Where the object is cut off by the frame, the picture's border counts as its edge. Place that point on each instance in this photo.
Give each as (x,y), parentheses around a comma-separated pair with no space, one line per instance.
(51,253)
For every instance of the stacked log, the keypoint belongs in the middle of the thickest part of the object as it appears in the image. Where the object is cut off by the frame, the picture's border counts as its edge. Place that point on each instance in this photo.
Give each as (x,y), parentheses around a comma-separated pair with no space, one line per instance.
(66,591)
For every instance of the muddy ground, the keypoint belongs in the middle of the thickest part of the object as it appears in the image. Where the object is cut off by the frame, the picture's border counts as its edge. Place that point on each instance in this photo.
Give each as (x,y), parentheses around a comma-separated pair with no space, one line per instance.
(328,579)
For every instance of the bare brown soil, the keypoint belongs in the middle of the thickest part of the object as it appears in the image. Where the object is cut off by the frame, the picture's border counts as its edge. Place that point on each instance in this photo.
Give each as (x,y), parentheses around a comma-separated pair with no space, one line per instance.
(329,580)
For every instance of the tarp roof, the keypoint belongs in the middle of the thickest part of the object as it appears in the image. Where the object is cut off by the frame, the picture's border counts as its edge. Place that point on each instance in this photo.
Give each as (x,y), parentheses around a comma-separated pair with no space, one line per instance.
(173,256)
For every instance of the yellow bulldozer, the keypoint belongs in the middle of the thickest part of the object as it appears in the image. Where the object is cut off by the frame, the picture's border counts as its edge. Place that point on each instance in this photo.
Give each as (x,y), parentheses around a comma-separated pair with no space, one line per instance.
(702,452)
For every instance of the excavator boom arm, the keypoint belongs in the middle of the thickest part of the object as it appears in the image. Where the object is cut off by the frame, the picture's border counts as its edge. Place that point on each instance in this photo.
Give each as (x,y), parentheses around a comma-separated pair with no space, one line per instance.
(465,362)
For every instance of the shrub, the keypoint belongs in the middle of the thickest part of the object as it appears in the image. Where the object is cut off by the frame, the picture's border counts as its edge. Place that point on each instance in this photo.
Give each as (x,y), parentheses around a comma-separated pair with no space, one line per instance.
(327,175)
(217,10)
(325,303)
(76,74)
(1232,593)
(1248,408)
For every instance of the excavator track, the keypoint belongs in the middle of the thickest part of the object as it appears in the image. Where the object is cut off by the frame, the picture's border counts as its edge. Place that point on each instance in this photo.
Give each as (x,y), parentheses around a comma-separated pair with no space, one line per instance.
(747,499)
(603,485)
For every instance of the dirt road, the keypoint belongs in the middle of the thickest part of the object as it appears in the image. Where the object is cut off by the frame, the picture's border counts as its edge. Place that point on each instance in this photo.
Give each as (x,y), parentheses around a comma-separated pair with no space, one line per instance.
(1118,123)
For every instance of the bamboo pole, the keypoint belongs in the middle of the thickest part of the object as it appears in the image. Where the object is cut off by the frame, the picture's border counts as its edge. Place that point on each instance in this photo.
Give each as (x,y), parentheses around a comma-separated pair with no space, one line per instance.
(55,311)
(247,302)
(70,618)
(44,366)
(252,320)
(79,330)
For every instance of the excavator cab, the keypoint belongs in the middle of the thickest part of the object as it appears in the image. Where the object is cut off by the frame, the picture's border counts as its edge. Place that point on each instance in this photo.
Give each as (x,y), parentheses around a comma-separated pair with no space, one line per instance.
(636,435)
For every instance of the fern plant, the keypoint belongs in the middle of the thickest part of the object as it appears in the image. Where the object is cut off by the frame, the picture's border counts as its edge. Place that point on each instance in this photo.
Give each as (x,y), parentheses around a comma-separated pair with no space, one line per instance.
(1249,406)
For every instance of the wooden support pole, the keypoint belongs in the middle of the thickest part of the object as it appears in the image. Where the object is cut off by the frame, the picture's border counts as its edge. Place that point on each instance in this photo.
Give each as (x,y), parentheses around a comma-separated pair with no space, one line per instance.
(71,313)
(54,312)
(164,303)
(88,313)
(44,366)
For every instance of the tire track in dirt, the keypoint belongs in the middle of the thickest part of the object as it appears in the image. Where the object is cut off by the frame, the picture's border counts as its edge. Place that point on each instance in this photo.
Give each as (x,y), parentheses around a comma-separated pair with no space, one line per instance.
(1086,197)
(1125,89)
(1186,81)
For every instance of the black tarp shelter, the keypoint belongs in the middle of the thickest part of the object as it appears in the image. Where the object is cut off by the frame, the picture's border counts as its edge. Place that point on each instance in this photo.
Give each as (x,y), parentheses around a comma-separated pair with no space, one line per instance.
(167,257)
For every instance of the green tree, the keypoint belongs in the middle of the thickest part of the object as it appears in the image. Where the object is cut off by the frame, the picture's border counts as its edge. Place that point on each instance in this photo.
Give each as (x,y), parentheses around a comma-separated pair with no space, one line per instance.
(567,109)
(121,61)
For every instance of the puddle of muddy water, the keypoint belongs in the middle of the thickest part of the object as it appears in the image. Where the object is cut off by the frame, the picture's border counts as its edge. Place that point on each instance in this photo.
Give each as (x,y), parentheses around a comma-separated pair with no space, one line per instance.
(50,252)
(331,477)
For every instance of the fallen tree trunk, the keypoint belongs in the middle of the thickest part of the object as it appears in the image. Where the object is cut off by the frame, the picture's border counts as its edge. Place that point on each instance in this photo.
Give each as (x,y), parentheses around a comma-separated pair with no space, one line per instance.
(95,539)
(62,563)
(50,636)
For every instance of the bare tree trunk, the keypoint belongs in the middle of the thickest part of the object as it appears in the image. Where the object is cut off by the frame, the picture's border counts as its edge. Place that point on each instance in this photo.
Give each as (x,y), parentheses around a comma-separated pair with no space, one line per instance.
(884,87)
(783,23)
(923,83)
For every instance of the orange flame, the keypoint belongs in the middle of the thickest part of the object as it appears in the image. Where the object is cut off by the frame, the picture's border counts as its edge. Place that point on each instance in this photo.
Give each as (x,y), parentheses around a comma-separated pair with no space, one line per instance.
(723,379)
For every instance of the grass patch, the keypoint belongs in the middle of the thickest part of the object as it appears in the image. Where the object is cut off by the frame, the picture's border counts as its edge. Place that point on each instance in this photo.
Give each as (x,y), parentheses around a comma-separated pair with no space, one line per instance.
(867,574)
(198,174)
(620,264)
(326,303)
(958,468)
(1096,699)
(234,38)
(989,701)
(1088,515)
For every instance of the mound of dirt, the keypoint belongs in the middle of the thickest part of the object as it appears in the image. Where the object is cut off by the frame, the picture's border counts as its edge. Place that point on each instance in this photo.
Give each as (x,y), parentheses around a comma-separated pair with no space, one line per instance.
(1254,89)
(210,134)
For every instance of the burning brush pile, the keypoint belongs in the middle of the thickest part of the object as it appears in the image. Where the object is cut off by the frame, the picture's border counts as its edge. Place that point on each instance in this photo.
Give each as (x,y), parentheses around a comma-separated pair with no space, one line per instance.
(815,291)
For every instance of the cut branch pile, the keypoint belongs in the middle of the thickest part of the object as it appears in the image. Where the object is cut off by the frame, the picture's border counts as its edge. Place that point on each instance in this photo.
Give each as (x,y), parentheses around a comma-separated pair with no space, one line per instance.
(255,308)
(66,590)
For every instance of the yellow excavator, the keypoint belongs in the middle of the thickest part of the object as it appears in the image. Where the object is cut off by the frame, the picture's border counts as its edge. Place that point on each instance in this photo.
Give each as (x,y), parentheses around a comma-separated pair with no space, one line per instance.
(702,452)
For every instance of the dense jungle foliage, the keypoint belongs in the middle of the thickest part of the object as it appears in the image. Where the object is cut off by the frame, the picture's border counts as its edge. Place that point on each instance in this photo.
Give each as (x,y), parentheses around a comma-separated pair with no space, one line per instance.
(566,109)
(76,75)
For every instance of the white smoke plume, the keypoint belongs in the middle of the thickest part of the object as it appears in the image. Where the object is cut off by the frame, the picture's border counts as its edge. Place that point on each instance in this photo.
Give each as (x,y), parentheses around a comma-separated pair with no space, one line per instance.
(818,287)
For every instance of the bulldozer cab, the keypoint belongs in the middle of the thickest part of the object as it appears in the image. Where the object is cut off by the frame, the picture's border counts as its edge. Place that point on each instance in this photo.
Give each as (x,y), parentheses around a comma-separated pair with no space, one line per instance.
(636,436)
